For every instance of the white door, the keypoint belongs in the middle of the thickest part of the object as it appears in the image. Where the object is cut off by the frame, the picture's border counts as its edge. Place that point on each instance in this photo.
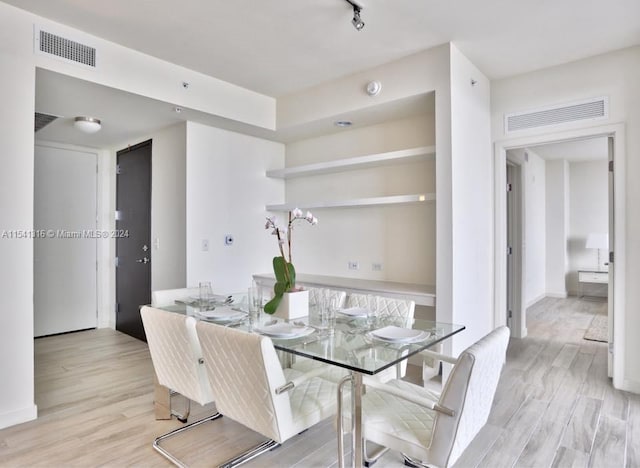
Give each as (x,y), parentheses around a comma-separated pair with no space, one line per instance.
(65,276)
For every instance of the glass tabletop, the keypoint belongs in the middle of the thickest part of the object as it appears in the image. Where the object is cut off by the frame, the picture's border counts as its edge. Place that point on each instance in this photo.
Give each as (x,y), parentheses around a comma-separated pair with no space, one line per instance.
(354,343)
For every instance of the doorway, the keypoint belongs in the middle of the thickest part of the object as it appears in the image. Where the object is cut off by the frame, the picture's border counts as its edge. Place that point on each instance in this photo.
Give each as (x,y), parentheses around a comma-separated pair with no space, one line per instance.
(65,251)
(133,237)
(613,137)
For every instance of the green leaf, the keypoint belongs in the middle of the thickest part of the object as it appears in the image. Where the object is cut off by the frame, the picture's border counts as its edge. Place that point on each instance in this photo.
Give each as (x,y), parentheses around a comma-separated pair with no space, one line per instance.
(282,270)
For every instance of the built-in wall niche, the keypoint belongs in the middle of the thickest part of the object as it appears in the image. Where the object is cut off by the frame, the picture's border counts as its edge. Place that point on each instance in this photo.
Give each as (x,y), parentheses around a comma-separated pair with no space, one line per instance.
(373,190)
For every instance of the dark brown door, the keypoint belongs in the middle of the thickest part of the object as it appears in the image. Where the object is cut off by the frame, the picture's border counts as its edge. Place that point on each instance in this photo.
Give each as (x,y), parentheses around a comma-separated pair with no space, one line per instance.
(133,243)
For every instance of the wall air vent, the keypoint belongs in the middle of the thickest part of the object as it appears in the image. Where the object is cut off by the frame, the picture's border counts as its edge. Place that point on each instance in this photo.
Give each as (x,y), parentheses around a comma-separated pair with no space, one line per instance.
(69,50)
(42,120)
(591,109)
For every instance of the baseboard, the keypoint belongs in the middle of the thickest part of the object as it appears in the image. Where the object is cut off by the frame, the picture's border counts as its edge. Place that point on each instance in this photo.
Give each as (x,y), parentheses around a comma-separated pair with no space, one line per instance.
(534,300)
(632,386)
(557,295)
(18,416)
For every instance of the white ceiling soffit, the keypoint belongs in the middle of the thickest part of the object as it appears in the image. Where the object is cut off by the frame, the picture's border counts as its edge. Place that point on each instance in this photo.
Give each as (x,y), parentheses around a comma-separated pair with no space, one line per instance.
(590,149)
(283,46)
(126,116)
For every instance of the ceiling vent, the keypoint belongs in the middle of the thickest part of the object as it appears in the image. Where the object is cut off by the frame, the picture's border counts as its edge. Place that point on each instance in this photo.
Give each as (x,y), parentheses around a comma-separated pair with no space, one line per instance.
(591,109)
(42,120)
(69,50)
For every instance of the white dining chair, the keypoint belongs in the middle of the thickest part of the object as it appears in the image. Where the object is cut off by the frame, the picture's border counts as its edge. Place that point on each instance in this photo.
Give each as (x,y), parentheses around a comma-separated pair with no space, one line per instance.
(317,295)
(429,428)
(398,311)
(252,389)
(165,297)
(177,360)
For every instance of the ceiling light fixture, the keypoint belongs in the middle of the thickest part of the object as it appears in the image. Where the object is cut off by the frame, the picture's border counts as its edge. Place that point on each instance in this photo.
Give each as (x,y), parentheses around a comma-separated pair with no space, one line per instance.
(356,21)
(87,124)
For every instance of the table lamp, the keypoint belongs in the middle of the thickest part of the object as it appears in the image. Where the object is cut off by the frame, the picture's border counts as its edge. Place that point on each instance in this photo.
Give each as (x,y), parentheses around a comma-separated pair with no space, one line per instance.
(597,241)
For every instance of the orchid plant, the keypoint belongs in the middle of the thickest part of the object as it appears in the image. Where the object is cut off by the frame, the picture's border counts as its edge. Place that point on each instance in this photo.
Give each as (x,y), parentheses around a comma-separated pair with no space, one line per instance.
(283,265)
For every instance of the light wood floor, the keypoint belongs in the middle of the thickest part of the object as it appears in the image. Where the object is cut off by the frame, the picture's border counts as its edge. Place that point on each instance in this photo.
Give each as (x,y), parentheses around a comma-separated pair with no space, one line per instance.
(554,407)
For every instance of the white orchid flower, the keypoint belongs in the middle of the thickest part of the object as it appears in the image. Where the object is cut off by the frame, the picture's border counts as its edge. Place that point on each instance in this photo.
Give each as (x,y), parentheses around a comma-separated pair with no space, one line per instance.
(308,216)
(314,221)
(296,213)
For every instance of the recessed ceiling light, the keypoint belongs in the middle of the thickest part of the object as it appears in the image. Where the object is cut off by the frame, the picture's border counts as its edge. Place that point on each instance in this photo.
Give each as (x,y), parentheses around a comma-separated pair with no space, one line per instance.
(343,123)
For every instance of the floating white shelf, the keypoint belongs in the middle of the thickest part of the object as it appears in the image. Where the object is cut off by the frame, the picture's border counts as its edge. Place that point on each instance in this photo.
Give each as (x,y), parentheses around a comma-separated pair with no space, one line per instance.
(357,202)
(421,153)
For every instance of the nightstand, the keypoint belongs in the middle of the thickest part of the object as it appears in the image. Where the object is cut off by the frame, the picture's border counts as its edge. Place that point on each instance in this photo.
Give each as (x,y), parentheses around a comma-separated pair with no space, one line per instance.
(591,276)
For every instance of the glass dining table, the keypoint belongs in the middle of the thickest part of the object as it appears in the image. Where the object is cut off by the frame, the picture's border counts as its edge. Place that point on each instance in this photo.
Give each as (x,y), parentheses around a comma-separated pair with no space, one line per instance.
(361,346)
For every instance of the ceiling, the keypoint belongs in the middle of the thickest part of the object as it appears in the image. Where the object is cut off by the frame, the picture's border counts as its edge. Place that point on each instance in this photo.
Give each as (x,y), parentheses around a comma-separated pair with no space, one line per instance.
(278,47)
(591,149)
(126,117)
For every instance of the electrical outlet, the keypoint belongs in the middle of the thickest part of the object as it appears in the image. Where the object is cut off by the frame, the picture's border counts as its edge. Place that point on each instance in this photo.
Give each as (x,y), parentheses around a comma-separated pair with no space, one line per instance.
(353,265)
(376,266)
(205,245)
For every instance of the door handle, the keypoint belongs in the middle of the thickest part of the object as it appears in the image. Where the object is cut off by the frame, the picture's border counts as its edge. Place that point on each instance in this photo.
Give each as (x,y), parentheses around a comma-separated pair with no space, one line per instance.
(143,260)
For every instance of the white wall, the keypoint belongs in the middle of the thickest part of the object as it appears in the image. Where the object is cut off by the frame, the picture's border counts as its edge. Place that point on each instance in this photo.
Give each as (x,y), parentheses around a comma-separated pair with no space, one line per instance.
(471,203)
(17,85)
(615,75)
(401,237)
(557,227)
(169,208)
(226,194)
(589,213)
(535,228)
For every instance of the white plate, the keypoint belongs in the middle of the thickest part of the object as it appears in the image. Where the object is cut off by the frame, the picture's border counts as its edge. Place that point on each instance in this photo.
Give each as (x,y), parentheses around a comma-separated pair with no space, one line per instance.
(220,314)
(214,297)
(283,330)
(399,335)
(355,312)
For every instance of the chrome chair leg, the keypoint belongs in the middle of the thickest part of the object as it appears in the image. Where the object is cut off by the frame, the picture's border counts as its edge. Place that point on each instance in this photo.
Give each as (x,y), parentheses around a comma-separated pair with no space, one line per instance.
(182,417)
(413,463)
(167,454)
(339,422)
(251,453)
(371,457)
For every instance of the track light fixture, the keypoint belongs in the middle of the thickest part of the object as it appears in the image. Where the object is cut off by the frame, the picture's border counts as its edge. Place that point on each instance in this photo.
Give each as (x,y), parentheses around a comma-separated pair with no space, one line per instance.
(356,21)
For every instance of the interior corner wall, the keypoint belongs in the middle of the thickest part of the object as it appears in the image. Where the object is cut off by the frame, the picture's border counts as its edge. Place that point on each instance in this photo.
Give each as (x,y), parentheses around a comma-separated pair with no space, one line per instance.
(589,213)
(17,85)
(615,75)
(226,195)
(471,202)
(535,229)
(557,227)
(401,238)
(424,72)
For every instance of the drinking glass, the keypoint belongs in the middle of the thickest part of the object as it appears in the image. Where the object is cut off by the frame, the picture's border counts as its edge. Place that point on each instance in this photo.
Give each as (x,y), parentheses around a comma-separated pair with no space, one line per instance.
(206,294)
(372,310)
(255,299)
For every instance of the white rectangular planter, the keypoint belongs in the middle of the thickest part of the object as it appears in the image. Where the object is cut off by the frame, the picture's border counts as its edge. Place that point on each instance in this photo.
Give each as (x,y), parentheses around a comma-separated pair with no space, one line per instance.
(293,305)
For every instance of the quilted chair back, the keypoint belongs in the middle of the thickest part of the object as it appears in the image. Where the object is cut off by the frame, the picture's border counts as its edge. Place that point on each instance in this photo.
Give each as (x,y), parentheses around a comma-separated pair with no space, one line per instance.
(357,300)
(469,392)
(244,371)
(316,294)
(165,297)
(401,311)
(175,354)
